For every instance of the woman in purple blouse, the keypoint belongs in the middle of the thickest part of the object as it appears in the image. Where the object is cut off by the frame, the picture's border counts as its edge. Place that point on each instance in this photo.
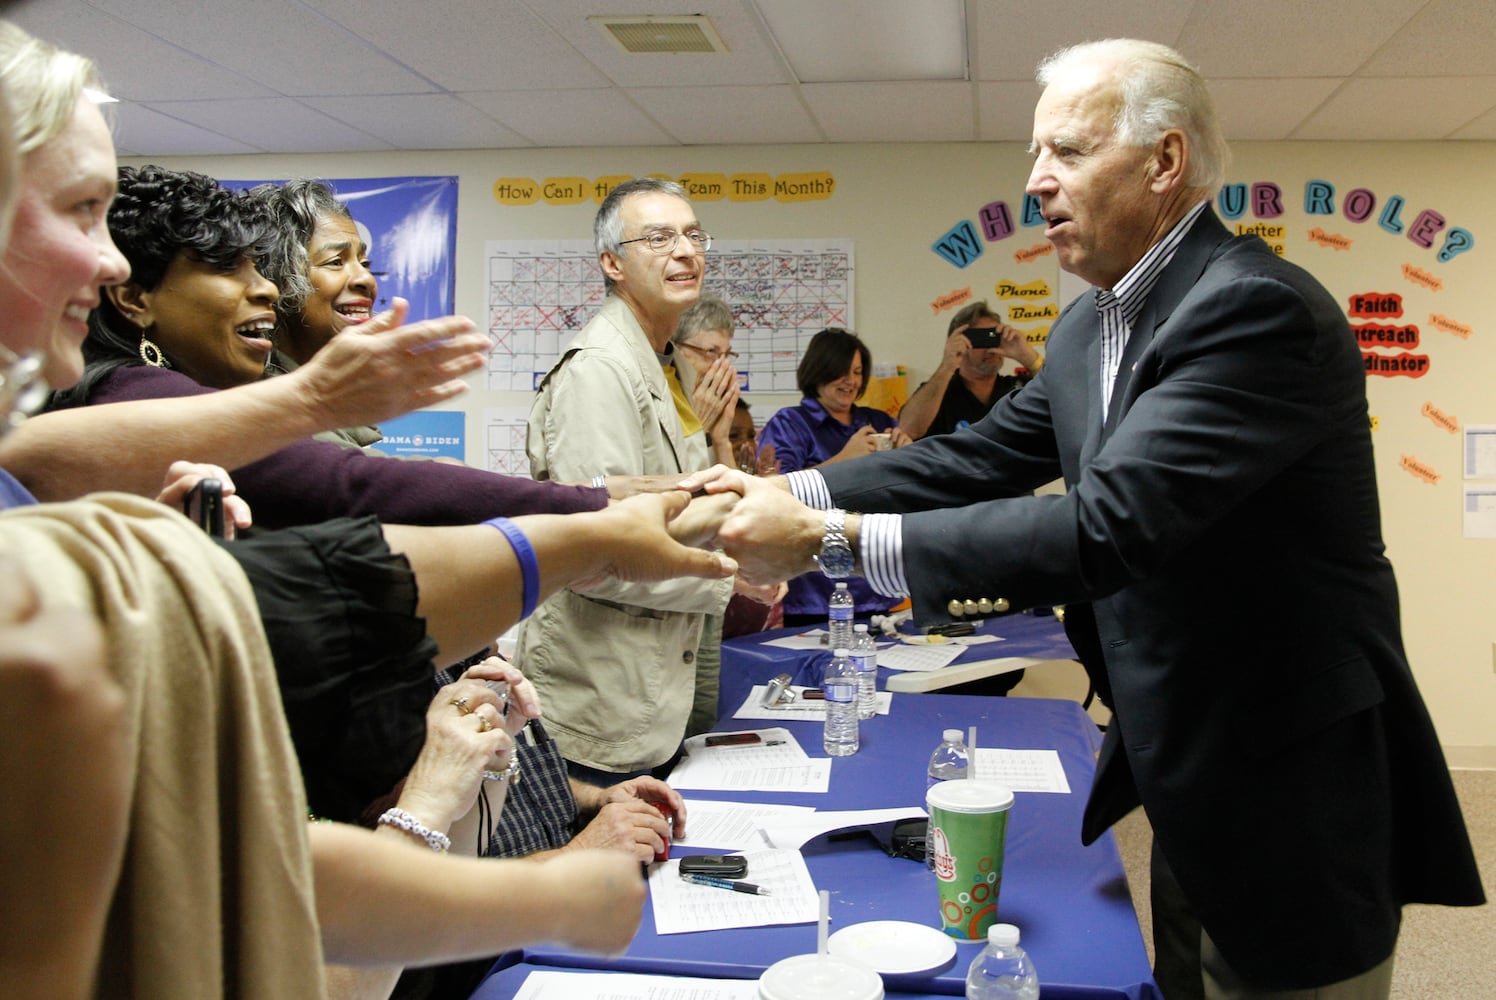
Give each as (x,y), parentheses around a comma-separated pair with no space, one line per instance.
(828,426)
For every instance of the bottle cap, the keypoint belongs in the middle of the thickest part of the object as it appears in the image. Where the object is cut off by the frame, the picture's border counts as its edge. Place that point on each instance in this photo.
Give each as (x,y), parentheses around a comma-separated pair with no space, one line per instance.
(951,736)
(1002,935)
(859,627)
(840,651)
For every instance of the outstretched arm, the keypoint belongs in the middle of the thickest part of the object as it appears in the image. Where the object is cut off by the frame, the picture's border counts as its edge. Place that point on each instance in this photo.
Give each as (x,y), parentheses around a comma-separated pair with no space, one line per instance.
(470,578)
(378,372)
(383,901)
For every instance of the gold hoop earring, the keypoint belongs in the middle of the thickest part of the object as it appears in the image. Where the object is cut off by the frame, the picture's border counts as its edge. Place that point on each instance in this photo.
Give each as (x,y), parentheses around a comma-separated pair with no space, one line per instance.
(151,354)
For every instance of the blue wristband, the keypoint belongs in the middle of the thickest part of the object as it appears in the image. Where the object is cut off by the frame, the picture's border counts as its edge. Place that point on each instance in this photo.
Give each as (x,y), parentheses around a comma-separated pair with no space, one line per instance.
(529,567)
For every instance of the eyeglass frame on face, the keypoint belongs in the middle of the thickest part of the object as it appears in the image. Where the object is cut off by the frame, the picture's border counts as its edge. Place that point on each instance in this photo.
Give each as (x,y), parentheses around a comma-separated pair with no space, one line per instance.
(701,240)
(712,353)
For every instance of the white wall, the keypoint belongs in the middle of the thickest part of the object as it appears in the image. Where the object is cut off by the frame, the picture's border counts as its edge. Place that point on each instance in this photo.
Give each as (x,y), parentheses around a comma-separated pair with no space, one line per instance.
(896,200)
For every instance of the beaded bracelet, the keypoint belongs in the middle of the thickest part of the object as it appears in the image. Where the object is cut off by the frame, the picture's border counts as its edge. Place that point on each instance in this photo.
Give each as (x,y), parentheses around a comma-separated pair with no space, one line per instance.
(402,820)
(529,568)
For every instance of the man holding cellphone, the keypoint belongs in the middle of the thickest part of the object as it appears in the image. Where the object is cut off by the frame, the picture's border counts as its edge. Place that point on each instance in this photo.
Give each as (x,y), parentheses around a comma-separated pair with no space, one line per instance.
(976,343)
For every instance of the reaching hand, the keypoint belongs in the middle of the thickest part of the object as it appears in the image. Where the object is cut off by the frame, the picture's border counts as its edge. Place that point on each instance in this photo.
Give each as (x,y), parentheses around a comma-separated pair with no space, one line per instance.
(637,546)
(519,701)
(772,535)
(465,736)
(381,369)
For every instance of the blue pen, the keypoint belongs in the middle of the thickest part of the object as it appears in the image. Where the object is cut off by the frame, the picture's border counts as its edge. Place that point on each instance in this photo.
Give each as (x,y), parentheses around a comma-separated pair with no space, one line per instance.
(724,883)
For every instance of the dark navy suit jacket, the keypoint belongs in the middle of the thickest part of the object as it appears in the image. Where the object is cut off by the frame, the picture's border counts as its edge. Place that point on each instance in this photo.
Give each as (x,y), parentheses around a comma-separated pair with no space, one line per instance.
(1224,523)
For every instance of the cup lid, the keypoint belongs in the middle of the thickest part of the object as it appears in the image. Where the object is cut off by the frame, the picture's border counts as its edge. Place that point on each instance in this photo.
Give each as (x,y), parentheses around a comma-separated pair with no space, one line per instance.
(969,796)
(819,977)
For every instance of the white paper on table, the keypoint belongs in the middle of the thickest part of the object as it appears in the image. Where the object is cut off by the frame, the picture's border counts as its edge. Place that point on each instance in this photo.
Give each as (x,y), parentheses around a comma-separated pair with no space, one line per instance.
(756,767)
(798,708)
(813,639)
(549,984)
(934,639)
(794,831)
(732,826)
(1022,770)
(919,657)
(743,774)
(681,907)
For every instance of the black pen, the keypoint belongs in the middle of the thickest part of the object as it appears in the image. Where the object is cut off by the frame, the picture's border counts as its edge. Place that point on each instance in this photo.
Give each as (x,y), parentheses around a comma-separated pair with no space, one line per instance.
(724,883)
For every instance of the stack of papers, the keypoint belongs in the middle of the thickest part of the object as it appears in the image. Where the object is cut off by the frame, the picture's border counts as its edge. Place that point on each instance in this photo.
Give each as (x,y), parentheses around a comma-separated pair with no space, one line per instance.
(681,907)
(776,764)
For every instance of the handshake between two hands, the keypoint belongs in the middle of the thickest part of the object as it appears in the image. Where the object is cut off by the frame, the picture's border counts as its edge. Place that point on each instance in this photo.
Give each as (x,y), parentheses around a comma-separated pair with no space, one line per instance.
(754,520)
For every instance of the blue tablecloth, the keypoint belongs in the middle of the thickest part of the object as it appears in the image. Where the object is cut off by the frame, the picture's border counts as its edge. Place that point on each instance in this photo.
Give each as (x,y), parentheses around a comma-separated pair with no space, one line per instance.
(748,660)
(1071,902)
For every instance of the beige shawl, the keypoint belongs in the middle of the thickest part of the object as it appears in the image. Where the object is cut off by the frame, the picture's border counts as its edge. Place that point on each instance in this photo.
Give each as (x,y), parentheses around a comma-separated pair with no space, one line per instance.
(215,896)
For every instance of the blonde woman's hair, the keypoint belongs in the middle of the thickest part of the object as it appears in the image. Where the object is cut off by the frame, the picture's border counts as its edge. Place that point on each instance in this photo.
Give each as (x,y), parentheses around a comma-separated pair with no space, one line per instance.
(41,84)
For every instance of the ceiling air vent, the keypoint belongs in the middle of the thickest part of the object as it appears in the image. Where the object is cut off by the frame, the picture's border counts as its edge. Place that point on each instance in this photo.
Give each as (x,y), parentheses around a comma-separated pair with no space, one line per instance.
(689,33)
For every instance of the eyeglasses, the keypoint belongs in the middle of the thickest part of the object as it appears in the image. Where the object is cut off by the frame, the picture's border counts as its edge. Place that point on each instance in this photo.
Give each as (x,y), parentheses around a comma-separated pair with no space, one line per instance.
(664,240)
(712,353)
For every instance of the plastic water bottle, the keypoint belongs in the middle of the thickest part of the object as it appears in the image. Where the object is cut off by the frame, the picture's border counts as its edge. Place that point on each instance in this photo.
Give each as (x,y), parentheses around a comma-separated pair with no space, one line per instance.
(840,687)
(947,763)
(1003,971)
(839,621)
(865,659)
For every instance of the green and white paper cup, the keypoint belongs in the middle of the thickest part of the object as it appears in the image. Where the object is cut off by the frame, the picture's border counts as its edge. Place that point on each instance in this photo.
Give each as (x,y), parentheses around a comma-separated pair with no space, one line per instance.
(968,826)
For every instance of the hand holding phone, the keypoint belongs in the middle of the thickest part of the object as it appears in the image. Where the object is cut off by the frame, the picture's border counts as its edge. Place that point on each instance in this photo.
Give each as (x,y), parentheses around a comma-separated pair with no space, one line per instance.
(204,504)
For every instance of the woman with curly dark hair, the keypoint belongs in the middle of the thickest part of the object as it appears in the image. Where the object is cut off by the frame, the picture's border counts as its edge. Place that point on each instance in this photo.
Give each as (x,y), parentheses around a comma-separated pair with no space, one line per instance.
(196,315)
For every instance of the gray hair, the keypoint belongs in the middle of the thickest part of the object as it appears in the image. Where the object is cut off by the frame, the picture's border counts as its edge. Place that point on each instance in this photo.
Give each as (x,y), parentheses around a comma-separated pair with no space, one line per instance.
(42,85)
(970,313)
(607,228)
(1158,90)
(297,207)
(709,313)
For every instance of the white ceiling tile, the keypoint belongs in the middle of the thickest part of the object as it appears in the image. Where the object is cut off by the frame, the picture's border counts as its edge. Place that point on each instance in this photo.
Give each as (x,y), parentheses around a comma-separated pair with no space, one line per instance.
(1410,108)
(1453,37)
(1005,111)
(420,121)
(284,45)
(1483,127)
(1266,38)
(926,111)
(140,131)
(1267,109)
(135,65)
(1010,38)
(276,125)
(472,45)
(729,115)
(571,117)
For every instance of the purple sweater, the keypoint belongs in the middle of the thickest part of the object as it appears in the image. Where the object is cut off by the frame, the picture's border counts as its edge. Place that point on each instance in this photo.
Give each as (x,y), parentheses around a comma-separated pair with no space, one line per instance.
(313,481)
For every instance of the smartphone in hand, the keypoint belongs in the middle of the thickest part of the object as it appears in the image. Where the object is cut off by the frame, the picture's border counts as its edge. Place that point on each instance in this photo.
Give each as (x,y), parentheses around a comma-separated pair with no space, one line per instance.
(204,504)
